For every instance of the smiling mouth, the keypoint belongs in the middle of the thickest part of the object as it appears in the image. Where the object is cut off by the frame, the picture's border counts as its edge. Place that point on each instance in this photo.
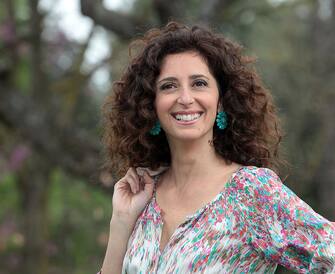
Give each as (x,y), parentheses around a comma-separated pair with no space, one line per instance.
(187,117)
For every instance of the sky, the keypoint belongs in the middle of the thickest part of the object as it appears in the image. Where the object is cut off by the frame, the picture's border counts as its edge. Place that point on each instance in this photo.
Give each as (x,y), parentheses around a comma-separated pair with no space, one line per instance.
(68,11)
(66,15)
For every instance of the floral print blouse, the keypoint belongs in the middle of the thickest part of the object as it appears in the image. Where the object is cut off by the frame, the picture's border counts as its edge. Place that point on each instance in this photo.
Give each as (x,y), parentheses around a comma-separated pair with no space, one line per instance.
(252,225)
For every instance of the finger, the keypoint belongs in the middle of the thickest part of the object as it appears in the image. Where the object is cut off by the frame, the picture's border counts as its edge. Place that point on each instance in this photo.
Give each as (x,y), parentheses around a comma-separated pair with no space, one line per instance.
(148,184)
(136,178)
(132,183)
(136,181)
(140,173)
(147,178)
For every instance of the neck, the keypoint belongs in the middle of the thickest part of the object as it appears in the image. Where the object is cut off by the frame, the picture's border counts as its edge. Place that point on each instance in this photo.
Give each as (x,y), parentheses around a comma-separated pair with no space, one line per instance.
(192,162)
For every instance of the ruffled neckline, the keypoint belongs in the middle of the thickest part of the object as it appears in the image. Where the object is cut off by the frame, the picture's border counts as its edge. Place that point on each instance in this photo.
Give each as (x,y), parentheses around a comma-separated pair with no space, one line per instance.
(204,207)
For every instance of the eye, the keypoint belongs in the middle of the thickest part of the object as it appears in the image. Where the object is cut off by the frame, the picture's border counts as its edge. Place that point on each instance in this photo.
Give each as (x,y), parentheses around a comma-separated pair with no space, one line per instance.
(200,83)
(166,86)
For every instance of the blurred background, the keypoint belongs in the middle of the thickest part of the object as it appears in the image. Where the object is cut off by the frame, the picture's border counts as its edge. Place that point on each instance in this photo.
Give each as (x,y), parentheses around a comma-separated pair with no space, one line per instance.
(57,62)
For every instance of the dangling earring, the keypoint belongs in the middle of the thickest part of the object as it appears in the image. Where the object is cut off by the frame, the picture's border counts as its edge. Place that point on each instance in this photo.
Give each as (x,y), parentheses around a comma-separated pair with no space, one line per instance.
(221,120)
(156,129)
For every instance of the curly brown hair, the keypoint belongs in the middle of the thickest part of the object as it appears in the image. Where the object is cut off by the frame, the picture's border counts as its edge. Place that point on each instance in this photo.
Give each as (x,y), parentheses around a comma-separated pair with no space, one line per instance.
(253,134)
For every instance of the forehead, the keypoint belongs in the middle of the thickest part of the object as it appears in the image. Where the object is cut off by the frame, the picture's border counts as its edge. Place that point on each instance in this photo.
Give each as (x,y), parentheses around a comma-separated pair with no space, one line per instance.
(189,62)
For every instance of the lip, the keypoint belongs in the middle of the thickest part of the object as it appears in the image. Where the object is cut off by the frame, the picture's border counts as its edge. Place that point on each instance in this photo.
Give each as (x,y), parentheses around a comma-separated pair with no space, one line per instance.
(185,113)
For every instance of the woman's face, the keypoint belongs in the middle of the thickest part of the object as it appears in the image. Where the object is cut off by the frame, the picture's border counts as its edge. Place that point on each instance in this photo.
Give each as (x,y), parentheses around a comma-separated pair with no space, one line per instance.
(187,97)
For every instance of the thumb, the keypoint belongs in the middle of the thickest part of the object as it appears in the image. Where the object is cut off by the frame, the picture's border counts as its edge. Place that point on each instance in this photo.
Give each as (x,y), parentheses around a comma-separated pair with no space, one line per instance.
(148,183)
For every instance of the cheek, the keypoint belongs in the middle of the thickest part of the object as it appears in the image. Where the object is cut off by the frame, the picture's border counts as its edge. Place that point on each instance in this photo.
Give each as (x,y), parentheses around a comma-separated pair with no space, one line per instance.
(161,107)
(212,102)
(163,103)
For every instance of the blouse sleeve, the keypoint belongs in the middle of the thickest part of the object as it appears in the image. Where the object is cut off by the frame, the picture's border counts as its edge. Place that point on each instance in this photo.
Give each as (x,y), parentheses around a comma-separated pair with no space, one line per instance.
(284,228)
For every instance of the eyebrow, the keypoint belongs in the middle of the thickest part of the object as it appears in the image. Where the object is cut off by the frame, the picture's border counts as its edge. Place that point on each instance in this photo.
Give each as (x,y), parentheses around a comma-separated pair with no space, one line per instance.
(193,76)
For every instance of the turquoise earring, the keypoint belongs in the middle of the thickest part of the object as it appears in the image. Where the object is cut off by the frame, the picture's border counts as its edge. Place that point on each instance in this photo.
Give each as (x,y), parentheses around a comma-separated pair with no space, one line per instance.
(221,120)
(156,129)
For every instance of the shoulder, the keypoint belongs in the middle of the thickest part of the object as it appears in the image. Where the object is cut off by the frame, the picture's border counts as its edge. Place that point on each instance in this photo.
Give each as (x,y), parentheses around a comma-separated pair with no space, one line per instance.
(260,194)
(280,225)
(257,179)
(260,190)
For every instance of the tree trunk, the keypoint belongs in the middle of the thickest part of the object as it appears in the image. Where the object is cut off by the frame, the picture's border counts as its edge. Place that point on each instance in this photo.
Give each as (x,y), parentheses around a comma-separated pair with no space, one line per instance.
(323,40)
(325,175)
(33,186)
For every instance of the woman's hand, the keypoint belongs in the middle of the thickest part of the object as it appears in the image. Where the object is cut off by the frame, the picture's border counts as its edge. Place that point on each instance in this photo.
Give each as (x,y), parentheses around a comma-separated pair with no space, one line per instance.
(131,194)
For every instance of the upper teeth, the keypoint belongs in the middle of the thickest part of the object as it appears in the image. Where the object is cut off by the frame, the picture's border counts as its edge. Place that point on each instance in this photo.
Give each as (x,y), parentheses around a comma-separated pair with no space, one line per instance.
(187,117)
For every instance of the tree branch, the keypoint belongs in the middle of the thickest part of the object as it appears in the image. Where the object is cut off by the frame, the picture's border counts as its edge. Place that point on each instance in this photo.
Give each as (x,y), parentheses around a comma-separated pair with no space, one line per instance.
(72,149)
(207,10)
(37,76)
(168,10)
(125,26)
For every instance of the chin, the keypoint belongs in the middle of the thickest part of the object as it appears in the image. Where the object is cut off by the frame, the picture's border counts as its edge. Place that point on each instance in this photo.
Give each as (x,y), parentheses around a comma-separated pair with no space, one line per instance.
(189,136)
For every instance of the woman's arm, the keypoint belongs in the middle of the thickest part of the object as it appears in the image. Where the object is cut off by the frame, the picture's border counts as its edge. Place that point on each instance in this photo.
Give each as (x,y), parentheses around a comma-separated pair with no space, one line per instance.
(131,194)
(119,234)
(284,228)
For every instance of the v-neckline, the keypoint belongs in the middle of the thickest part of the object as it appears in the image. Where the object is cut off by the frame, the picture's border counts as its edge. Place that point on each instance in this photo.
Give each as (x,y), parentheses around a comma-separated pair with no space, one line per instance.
(190,216)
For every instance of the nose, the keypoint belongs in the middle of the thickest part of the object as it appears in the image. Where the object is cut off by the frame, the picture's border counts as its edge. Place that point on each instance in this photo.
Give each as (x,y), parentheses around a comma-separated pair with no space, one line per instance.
(185,97)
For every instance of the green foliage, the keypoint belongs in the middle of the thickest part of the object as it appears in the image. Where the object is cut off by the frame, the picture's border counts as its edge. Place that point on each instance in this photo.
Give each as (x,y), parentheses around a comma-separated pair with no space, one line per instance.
(79,217)
(11,239)
(2,10)
(78,222)
(142,9)
(79,214)
(9,201)
(22,77)
(22,11)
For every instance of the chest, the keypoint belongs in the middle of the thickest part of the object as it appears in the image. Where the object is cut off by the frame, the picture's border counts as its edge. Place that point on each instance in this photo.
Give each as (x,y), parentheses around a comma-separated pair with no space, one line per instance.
(203,244)
(176,211)
(171,219)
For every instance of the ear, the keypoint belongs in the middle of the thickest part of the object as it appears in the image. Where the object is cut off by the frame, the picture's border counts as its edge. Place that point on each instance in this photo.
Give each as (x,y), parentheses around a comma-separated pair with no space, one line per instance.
(219,107)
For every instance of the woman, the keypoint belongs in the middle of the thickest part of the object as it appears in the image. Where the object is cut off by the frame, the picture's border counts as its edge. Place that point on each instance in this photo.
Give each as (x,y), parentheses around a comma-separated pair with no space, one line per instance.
(200,133)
